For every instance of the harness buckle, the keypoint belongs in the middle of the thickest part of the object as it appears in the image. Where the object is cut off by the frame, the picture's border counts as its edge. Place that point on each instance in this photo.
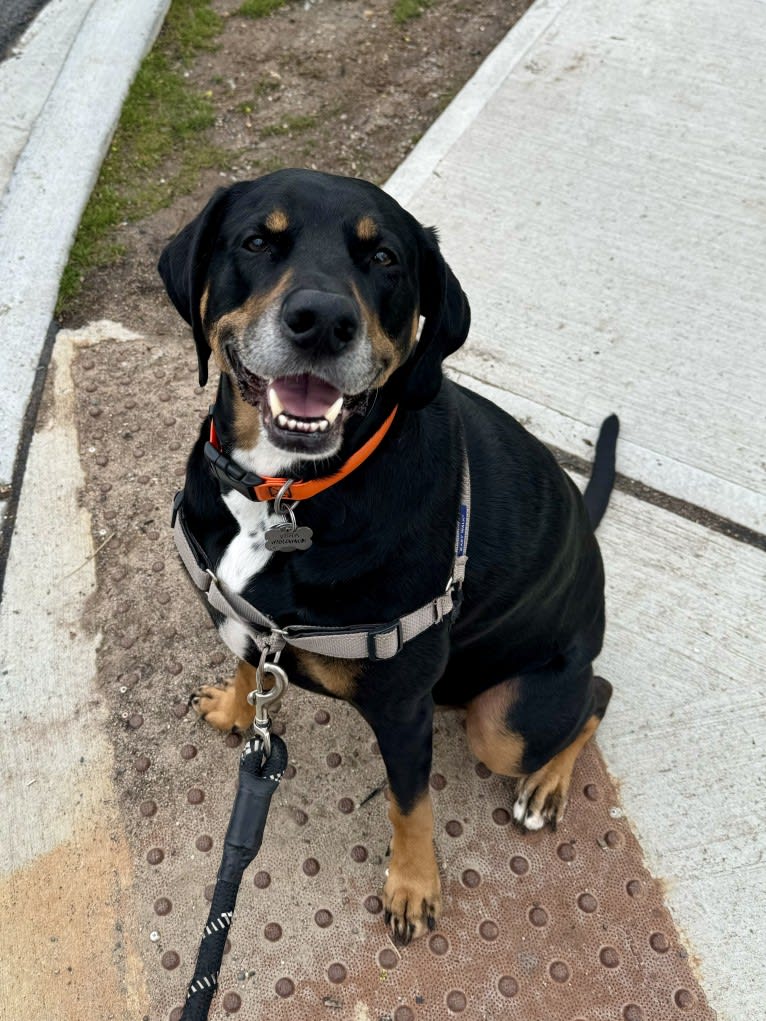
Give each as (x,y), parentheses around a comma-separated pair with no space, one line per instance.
(456,589)
(383,632)
(178,499)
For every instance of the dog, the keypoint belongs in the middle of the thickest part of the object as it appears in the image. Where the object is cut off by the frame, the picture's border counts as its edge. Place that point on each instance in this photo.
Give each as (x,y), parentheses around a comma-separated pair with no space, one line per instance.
(308,289)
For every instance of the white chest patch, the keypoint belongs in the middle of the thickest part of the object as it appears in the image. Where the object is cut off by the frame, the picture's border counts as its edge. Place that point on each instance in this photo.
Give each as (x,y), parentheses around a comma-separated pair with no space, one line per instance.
(243,558)
(246,554)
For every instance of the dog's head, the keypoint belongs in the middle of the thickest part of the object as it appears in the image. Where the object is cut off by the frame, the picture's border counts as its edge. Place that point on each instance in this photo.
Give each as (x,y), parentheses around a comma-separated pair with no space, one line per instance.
(308,288)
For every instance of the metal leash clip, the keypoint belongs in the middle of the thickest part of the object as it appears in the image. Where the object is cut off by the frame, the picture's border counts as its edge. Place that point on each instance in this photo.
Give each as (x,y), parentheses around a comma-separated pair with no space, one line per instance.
(262,698)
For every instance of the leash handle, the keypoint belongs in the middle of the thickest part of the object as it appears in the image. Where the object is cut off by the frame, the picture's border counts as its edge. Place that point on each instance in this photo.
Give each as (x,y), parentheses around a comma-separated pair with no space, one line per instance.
(257,782)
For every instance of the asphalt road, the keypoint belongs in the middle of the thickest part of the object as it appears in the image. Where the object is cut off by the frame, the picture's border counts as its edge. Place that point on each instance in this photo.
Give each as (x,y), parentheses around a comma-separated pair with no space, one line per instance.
(15,15)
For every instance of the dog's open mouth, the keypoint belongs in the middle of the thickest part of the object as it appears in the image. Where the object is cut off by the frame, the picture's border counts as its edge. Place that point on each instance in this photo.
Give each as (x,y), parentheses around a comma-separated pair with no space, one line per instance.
(303,403)
(300,413)
(303,413)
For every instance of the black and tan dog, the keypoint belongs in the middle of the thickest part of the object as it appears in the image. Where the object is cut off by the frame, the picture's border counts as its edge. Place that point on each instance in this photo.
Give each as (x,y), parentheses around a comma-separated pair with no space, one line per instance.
(308,289)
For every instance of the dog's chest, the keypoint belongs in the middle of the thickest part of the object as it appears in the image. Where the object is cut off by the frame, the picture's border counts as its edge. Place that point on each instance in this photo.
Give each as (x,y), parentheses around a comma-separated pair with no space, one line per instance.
(244,558)
(246,555)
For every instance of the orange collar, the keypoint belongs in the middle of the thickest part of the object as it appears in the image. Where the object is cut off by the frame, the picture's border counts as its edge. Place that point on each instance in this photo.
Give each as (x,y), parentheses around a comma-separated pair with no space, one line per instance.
(257,488)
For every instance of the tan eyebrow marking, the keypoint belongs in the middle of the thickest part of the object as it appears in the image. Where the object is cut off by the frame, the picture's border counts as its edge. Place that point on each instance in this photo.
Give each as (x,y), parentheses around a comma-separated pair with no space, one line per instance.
(277,221)
(366,229)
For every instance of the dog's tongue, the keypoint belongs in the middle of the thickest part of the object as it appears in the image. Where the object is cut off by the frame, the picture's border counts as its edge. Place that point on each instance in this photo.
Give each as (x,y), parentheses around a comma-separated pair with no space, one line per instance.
(305,396)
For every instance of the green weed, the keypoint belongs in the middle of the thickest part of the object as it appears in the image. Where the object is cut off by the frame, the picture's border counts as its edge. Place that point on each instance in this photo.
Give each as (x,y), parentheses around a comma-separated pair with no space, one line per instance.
(406,10)
(288,125)
(259,8)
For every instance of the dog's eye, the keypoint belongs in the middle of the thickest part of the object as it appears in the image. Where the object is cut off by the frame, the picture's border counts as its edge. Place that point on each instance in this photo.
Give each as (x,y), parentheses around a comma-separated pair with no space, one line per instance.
(384,257)
(255,243)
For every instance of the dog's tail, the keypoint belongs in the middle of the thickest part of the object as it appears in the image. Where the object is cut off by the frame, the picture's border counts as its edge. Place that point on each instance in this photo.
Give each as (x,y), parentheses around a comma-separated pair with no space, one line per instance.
(601,482)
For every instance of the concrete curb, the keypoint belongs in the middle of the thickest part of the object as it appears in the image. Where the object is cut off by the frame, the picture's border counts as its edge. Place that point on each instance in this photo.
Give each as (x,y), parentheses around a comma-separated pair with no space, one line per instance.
(52,180)
(29,74)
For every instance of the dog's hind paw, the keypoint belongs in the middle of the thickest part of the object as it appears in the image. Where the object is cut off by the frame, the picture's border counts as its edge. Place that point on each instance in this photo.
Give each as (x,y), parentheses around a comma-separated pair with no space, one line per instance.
(537,803)
(542,796)
(223,708)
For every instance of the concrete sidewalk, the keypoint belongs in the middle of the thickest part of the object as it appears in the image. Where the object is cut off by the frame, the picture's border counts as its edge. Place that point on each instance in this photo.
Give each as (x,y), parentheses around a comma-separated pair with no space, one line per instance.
(598,187)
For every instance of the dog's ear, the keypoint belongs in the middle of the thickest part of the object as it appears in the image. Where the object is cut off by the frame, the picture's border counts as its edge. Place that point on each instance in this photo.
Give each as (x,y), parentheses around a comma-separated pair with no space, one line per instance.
(447,320)
(183,267)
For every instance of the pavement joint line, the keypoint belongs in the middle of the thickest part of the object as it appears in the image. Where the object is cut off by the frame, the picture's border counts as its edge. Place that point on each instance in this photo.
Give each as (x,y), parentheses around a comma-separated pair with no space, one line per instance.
(682,508)
(678,479)
(22,451)
(635,487)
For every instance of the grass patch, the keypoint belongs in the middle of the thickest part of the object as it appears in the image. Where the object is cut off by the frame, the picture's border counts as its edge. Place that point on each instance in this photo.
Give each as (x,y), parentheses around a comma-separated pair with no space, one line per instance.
(259,8)
(406,10)
(163,118)
(445,98)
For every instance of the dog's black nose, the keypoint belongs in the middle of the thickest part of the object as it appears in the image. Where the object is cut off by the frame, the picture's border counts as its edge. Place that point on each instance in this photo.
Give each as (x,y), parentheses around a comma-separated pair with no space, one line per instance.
(319,320)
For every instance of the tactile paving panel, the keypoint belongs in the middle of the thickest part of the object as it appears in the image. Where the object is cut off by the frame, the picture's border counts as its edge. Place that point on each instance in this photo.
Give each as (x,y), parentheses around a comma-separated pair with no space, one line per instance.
(563,926)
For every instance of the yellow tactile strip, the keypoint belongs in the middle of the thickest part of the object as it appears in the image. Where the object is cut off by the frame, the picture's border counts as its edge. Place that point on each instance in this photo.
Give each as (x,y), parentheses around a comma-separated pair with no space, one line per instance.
(542,927)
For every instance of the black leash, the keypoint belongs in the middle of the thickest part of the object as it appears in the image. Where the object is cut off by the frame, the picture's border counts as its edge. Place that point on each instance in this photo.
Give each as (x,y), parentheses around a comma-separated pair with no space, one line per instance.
(261,767)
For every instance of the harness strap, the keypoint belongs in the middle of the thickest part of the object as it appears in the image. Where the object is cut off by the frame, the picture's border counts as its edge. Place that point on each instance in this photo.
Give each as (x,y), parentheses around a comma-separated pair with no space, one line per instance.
(380,641)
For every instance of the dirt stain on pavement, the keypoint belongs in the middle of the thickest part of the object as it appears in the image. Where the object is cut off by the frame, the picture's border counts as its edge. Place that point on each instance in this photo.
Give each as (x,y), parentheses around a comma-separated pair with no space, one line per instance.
(73,957)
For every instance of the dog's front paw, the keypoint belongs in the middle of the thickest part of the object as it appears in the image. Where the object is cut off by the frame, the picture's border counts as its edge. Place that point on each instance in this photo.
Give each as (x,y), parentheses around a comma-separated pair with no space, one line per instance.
(412,898)
(224,708)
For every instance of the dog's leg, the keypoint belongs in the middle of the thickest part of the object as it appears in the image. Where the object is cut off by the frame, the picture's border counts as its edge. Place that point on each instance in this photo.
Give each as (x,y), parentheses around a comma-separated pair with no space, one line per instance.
(412,891)
(227,708)
(491,739)
(534,727)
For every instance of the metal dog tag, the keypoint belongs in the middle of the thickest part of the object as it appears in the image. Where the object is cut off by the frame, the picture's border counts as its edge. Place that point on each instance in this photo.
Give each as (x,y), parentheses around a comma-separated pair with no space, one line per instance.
(286,538)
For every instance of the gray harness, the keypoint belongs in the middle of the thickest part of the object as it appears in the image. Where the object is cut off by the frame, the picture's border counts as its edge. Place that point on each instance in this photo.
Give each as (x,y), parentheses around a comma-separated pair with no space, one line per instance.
(380,641)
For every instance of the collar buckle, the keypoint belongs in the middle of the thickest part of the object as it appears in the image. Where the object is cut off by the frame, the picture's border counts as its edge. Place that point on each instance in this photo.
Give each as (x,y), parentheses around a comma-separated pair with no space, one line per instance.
(232,474)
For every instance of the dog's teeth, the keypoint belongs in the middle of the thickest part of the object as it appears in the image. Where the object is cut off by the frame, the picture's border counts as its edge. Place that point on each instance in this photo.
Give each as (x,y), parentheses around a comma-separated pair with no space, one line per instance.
(301,425)
(274,403)
(334,411)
